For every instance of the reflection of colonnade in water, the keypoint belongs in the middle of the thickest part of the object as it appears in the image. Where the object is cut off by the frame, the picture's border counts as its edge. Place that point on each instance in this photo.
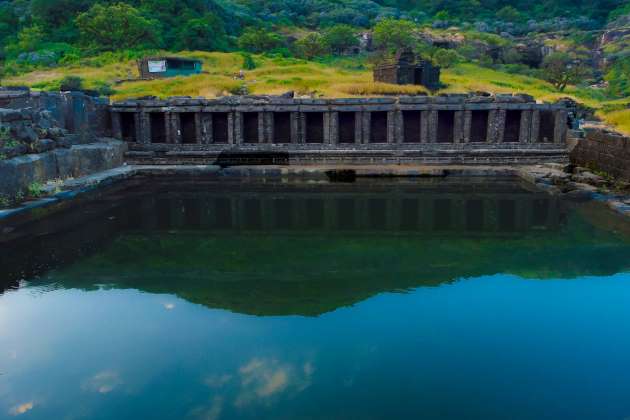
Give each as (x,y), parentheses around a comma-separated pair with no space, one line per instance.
(480,213)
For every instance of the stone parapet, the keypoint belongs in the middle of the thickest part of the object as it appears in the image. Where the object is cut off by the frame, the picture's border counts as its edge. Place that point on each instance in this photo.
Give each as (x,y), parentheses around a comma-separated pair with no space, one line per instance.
(603,151)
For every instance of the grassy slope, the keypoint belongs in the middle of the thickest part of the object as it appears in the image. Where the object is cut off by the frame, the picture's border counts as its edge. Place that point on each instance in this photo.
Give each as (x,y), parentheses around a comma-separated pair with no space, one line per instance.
(277,75)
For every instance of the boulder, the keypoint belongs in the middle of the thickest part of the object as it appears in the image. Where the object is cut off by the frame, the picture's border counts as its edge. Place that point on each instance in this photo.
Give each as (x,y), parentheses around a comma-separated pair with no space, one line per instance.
(25,133)
(43,145)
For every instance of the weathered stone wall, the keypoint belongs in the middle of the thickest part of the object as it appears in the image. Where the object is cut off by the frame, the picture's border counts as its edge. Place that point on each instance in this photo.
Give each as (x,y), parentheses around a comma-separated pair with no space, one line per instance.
(603,151)
(74,111)
(47,136)
(415,129)
(17,174)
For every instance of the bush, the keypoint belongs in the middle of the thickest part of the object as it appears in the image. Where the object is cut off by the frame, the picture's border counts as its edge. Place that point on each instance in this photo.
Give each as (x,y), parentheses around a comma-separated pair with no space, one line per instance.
(311,46)
(339,38)
(71,83)
(258,40)
(248,62)
(445,58)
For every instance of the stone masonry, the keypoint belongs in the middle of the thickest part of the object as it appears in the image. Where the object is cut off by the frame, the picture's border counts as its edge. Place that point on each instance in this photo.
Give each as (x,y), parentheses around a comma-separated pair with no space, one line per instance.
(275,130)
(603,151)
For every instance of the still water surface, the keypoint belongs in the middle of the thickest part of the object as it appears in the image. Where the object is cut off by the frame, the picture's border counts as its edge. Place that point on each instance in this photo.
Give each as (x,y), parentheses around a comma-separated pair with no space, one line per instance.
(241,300)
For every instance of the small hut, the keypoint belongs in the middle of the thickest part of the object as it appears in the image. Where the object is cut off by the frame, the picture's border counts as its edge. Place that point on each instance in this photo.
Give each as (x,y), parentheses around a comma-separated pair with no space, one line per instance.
(406,69)
(158,67)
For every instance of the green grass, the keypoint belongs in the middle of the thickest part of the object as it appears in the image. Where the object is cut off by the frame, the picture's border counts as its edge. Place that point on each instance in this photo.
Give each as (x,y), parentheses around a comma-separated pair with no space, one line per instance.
(343,77)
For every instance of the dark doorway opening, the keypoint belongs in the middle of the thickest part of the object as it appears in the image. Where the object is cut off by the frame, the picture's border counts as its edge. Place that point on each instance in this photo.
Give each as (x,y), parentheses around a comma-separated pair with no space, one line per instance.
(412,123)
(282,127)
(446,126)
(479,127)
(188,127)
(220,132)
(314,127)
(547,127)
(512,126)
(128,126)
(250,127)
(158,127)
(347,126)
(378,127)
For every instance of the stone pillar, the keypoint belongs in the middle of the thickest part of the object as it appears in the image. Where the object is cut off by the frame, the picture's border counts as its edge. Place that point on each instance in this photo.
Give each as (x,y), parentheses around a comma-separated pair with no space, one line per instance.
(399,127)
(326,128)
(358,126)
(268,132)
(393,126)
(432,125)
(458,129)
(206,128)
(534,130)
(425,116)
(295,127)
(333,127)
(238,127)
(198,128)
(526,126)
(145,128)
(261,127)
(366,120)
(116,129)
(138,121)
(174,133)
(496,125)
(467,126)
(301,127)
(231,133)
(560,130)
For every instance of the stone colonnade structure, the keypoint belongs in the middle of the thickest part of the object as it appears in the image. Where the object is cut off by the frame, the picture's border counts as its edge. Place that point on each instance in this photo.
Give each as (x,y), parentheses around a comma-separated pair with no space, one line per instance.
(276,130)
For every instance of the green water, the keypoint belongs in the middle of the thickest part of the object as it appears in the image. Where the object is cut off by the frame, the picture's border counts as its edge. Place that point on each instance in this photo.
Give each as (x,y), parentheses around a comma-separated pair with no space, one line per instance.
(281,300)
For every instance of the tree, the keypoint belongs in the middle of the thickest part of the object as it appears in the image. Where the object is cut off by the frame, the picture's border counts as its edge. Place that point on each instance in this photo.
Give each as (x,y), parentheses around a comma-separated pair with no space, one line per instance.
(30,38)
(258,40)
(248,62)
(116,26)
(311,46)
(561,69)
(445,58)
(55,13)
(394,34)
(205,33)
(618,77)
(509,14)
(339,38)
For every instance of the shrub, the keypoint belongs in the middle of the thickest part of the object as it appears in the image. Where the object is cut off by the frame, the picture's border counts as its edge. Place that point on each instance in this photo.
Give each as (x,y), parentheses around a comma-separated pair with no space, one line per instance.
(258,40)
(248,62)
(71,83)
(445,58)
(338,38)
(311,46)
(35,189)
